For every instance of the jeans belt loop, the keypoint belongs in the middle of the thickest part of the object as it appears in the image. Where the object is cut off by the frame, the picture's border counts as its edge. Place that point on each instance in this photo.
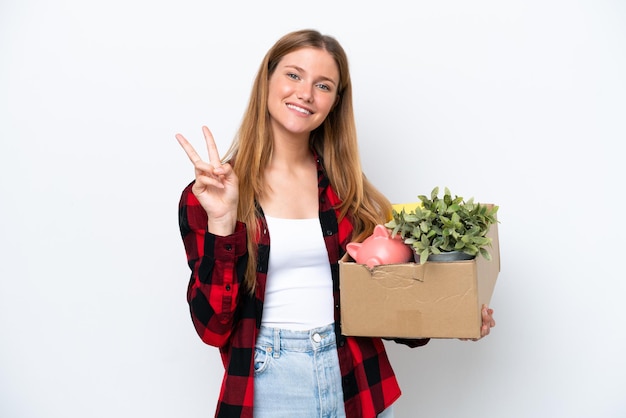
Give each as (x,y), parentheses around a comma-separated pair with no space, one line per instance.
(276,343)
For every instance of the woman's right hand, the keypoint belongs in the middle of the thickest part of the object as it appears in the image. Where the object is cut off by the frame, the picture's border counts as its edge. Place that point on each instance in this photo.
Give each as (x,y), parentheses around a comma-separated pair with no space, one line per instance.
(216,186)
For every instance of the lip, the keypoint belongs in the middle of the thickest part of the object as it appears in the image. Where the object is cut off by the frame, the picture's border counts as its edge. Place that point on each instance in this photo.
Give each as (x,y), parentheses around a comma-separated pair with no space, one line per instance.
(302,110)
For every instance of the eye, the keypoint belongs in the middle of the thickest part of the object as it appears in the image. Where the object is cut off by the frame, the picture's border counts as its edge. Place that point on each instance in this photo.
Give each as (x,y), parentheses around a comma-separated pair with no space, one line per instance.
(293,76)
(324,87)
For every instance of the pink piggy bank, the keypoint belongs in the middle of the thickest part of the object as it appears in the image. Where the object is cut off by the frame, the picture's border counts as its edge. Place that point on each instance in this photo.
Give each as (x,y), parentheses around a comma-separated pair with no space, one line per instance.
(380,248)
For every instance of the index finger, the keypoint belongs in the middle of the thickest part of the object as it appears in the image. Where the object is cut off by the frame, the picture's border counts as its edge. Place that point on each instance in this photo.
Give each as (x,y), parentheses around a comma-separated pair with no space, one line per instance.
(189,150)
(214,156)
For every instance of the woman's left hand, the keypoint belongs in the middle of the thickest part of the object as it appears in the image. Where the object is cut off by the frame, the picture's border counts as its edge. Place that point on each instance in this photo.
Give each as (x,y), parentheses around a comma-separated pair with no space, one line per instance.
(488,323)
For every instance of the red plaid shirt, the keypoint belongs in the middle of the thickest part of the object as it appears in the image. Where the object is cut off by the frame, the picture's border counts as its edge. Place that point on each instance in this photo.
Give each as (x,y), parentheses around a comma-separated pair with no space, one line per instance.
(227,316)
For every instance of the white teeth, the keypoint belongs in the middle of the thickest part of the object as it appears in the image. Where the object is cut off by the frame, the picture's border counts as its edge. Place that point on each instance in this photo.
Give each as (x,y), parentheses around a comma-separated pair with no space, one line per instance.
(299,109)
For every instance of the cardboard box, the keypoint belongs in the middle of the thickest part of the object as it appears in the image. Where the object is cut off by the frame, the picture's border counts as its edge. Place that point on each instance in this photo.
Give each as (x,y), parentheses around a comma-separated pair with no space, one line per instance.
(434,300)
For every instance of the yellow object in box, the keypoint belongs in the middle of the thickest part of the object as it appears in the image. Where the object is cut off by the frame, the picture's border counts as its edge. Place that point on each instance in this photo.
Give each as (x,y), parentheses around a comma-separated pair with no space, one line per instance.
(408,207)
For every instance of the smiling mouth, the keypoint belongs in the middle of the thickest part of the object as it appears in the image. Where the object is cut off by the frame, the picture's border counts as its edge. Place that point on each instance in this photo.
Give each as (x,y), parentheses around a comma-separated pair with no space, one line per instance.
(299,109)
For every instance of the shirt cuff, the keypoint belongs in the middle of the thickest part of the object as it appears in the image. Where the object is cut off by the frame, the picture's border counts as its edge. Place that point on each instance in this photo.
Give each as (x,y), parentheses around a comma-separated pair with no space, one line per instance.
(229,246)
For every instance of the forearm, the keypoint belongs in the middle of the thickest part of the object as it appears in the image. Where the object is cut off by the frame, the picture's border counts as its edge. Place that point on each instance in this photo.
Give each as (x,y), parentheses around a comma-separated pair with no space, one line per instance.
(215,284)
(413,342)
(223,226)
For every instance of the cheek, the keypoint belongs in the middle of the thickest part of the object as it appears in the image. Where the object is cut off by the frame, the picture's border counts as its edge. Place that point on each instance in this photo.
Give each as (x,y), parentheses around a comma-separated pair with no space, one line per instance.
(278,89)
(275,95)
(326,104)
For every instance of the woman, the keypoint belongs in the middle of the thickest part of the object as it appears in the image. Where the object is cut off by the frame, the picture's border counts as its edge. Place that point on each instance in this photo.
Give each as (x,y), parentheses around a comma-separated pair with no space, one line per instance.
(292,178)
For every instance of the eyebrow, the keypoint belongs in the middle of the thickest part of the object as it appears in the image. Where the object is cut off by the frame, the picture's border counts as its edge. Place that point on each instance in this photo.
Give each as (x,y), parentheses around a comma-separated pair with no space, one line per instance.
(302,70)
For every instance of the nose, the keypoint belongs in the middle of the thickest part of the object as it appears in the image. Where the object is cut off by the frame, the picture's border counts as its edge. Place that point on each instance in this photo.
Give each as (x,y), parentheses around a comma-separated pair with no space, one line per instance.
(305,92)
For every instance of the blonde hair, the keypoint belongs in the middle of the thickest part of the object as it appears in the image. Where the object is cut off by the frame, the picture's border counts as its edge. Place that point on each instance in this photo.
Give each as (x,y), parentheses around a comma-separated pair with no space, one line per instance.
(335,141)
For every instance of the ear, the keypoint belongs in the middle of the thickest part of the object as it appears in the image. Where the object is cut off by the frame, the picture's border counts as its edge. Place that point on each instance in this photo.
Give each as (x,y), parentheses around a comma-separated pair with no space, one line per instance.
(381,231)
(337,99)
(353,249)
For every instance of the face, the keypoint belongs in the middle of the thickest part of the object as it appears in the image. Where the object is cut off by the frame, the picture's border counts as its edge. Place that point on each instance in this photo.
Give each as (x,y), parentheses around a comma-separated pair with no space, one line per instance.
(302,91)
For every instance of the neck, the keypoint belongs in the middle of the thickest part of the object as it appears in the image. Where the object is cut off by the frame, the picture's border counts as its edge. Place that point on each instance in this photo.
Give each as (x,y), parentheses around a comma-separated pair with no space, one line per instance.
(291,151)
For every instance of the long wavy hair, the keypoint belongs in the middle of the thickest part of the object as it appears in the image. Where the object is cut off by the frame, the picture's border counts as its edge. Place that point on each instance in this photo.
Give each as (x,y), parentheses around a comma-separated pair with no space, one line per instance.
(335,140)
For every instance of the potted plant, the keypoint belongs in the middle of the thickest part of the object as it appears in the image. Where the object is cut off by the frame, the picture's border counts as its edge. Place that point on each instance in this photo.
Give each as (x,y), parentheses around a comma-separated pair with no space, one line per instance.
(444,226)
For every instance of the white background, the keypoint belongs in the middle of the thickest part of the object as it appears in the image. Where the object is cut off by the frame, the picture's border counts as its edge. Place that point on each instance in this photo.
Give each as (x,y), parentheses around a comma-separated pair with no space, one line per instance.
(519,103)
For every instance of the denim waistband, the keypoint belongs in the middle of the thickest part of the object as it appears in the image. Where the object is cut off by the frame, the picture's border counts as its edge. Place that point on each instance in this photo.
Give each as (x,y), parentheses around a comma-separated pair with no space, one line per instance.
(295,340)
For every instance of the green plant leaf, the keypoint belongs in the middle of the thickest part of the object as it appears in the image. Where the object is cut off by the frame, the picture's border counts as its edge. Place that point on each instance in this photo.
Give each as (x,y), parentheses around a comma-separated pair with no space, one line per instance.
(485,253)
(445,224)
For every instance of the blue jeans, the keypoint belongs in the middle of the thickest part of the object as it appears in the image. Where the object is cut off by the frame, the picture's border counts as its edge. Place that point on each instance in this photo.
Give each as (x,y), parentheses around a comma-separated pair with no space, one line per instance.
(296,374)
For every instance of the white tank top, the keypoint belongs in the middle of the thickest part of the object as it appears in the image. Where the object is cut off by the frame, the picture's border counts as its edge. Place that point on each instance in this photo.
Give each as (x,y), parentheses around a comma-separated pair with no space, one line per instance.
(299,289)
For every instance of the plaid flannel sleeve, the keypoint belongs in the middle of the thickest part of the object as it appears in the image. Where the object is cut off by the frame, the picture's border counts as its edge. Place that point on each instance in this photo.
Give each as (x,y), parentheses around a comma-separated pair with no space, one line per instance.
(217,265)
